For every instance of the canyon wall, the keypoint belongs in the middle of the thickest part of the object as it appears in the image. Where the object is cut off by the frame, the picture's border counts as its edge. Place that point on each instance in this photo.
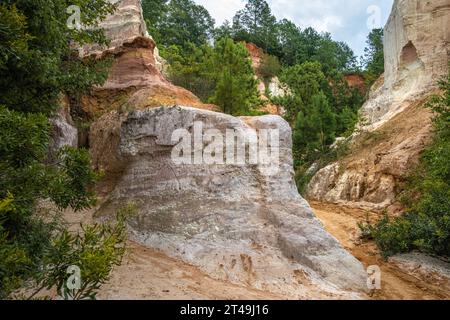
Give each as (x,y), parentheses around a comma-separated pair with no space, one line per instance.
(396,126)
(235,222)
(416,50)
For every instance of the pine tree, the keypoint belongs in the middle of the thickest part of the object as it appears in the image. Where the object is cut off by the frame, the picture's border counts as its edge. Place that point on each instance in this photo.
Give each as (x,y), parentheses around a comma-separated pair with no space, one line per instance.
(256,23)
(315,128)
(373,58)
(236,88)
(305,80)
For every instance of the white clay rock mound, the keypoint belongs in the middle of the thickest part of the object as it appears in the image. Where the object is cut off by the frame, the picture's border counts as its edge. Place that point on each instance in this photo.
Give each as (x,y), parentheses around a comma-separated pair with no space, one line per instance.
(234,222)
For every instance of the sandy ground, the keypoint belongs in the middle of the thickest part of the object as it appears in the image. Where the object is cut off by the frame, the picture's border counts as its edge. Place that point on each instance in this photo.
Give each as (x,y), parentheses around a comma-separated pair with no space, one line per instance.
(148,274)
(342,222)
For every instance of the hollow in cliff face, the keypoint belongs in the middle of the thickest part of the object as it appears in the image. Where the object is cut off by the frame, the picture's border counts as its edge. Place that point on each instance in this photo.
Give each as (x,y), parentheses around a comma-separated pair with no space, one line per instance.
(396,125)
(409,54)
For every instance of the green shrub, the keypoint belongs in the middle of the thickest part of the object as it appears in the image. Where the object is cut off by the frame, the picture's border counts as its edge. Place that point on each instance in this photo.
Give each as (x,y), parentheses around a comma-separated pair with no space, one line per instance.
(95,250)
(37,65)
(426,195)
(270,67)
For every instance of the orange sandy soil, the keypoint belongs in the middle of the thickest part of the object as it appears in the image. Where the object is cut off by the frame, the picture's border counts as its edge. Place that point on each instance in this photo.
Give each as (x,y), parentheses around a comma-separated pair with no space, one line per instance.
(149,274)
(342,223)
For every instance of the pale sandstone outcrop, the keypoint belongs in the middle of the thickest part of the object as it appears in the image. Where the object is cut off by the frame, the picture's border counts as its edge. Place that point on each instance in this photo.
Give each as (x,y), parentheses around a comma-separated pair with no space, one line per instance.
(397,127)
(135,80)
(424,268)
(63,132)
(236,223)
(416,48)
(233,222)
(272,85)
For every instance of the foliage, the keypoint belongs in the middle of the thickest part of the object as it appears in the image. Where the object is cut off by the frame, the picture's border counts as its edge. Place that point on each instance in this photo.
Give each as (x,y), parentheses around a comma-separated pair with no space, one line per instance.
(178,22)
(13,33)
(347,121)
(37,65)
(231,68)
(305,80)
(25,179)
(320,108)
(314,129)
(299,46)
(188,68)
(256,23)
(291,42)
(154,12)
(222,74)
(224,31)
(95,250)
(270,66)
(373,59)
(42,60)
(291,103)
(426,195)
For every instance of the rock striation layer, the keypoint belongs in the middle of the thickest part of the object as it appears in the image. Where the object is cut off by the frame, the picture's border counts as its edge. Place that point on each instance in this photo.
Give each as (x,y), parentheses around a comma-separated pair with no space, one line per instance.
(416,50)
(235,222)
(135,80)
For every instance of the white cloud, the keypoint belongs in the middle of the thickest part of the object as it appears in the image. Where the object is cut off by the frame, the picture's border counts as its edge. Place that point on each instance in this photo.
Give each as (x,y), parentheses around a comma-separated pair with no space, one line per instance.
(222,10)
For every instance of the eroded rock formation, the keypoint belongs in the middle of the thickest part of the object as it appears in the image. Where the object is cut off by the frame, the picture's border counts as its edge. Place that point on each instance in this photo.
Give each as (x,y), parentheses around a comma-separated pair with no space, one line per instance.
(397,127)
(234,222)
(135,80)
(416,57)
(63,133)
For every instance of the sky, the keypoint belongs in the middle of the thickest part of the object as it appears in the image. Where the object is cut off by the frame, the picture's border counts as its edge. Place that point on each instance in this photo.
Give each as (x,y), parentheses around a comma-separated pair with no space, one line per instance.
(347,20)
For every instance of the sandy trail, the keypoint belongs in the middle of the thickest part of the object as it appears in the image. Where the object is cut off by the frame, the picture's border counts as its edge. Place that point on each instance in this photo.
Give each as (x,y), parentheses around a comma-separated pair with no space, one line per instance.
(342,222)
(149,274)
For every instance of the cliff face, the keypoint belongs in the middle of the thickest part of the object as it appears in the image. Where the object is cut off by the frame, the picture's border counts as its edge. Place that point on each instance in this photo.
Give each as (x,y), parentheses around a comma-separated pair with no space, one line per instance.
(416,55)
(396,127)
(135,79)
(272,85)
(235,222)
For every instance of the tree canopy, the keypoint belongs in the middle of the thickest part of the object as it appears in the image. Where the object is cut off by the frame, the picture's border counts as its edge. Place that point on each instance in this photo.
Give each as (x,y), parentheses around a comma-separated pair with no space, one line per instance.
(37,66)
(256,23)
(178,22)
(373,59)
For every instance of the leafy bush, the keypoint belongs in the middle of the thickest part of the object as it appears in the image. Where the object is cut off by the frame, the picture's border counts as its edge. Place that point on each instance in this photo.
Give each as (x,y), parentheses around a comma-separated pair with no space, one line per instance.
(37,65)
(222,75)
(188,69)
(95,250)
(270,66)
(426,195)
(314,129)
